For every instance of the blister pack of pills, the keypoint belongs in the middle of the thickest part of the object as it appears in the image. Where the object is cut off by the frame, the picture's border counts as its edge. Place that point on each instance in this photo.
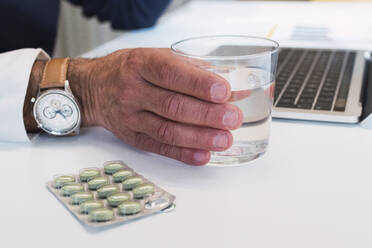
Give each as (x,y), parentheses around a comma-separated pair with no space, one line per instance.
(109,195)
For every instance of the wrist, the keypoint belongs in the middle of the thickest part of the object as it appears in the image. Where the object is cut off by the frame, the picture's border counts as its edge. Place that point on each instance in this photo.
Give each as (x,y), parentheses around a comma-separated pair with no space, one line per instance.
(78,75)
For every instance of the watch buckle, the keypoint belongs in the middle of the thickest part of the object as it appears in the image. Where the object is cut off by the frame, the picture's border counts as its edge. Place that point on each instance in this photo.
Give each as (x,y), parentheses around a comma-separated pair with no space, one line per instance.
(67,87)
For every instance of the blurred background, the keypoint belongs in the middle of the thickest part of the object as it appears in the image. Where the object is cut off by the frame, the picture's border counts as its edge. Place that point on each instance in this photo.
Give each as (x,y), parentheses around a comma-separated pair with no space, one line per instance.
(78,34)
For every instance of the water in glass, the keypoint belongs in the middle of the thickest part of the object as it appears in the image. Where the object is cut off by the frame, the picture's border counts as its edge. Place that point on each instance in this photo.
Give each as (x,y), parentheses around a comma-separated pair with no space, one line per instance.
(252,91)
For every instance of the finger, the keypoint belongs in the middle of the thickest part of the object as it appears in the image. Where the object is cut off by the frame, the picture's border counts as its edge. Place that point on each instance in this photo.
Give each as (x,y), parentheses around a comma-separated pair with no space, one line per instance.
(144,142)
(181,135)
(239,95)
(186,109)
(197,62)
(271,90)
(166,70)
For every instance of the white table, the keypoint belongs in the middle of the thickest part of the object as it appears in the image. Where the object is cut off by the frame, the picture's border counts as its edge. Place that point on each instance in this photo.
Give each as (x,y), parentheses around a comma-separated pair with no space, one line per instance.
(312,189)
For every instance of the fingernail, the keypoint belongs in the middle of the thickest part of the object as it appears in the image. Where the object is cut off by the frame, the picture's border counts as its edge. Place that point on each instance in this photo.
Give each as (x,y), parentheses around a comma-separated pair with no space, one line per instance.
(230,119)
(220,141)
(218,91)
(200,157)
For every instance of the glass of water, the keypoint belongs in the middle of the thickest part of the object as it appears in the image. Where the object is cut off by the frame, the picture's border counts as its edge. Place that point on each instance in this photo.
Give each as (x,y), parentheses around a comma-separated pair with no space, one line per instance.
(249,65)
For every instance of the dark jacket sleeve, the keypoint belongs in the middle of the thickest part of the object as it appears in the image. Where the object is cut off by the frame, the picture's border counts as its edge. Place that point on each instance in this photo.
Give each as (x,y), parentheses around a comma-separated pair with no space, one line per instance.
(124,14)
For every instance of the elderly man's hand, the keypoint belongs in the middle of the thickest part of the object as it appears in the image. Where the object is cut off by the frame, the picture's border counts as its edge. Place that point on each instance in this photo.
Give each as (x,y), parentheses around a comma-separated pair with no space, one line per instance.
(157,102)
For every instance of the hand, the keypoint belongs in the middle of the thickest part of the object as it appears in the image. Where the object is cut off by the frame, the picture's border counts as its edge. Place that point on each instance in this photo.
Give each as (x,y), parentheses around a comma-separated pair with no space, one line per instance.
(157,102)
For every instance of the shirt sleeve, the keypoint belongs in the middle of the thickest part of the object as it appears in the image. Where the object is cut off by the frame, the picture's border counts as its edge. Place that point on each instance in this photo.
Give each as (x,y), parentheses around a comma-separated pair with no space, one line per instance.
(15,72)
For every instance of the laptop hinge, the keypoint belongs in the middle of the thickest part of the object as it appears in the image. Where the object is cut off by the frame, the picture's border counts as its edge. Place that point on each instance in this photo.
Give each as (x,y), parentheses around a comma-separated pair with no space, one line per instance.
(366,96)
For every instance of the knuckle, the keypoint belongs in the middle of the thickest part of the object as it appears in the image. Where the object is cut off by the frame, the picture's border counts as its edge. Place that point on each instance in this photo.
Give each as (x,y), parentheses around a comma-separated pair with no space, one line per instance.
(167,73)
(134,58)
(199,83)
(125,135)
(132,119)
(140,140)
(173,105)
(165,132)
(195,139)
(170,151)
(194,83)
(164,149)
(203,113)
(146,143)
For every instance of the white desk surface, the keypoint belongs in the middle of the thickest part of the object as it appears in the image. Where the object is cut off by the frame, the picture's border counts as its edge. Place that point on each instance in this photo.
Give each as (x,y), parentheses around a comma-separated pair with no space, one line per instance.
(312,189)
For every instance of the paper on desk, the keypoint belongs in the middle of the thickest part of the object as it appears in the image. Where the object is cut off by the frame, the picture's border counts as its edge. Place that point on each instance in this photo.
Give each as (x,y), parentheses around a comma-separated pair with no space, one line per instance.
(345,25)
(340,35)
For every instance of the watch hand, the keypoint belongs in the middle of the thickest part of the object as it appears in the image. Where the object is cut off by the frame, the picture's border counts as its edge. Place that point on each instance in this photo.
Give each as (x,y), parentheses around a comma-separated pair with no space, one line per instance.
(59,112)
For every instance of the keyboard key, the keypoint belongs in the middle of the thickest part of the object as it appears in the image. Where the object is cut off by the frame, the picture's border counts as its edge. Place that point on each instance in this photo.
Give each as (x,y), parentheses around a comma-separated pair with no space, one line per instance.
(293,90)
(287,100)
(304,105)
(289,95)
(343,92)
(285,105)
(325,99)
(331,85)
(312,85)
(310,90)
(306,100)
(308,95)
(327,94)
(323,107)
(328,89)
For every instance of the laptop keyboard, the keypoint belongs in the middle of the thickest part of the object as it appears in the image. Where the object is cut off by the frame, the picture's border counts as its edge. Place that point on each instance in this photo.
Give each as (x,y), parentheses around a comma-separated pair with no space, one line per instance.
(313,79)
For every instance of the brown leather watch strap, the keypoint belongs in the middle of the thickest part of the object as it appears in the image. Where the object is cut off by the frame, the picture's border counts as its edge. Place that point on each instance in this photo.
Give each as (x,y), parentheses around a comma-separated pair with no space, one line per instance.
(55,72)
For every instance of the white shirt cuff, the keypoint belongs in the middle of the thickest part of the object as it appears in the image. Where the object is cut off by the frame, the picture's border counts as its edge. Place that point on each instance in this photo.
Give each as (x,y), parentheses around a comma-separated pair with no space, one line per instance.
(15,73)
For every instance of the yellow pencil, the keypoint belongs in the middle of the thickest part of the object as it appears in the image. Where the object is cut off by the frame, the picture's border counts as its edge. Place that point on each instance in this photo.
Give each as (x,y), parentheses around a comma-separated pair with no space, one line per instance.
(272,31)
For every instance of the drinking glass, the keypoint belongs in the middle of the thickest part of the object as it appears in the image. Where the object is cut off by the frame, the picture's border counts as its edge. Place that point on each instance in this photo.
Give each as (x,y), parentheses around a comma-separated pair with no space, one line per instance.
(248,63)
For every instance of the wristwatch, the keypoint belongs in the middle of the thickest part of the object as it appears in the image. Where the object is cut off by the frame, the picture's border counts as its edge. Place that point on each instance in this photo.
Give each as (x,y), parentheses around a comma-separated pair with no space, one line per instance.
(55,109)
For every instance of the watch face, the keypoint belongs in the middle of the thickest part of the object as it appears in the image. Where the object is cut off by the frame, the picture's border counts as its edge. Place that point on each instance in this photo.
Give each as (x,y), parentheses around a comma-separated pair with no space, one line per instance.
(56,112)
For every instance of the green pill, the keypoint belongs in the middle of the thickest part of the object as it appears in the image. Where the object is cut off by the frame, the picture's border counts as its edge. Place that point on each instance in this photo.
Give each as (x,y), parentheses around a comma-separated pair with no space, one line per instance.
(101,215)
(61,181)
(121,175)
(107,190)
(116,199)
(113,167)
(71,188)
(88,206)
(88,174)
(143,190)
(81,197)
(130,207)
(97,182)
(132,182)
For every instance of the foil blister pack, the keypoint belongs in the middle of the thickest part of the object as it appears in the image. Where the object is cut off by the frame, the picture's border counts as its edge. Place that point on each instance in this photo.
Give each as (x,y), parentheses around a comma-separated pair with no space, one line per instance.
(109,195)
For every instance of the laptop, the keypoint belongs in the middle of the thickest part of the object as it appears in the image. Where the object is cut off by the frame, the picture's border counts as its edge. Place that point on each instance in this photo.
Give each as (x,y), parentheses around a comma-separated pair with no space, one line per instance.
(320,84)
